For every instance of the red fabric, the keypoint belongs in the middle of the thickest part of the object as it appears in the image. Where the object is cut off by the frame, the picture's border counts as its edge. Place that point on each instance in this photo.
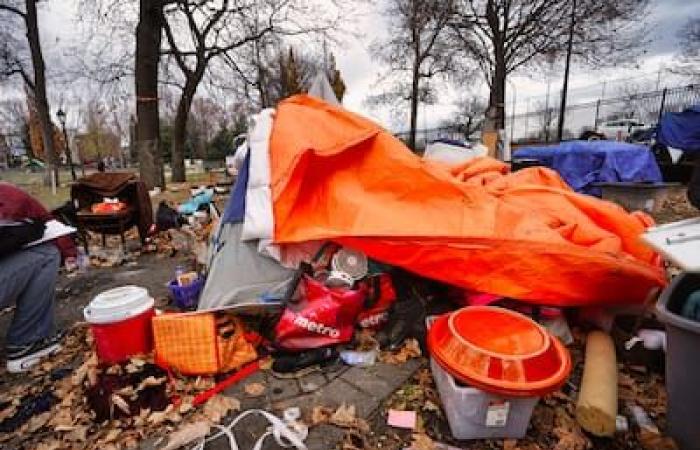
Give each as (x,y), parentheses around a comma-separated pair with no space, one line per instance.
(15,204)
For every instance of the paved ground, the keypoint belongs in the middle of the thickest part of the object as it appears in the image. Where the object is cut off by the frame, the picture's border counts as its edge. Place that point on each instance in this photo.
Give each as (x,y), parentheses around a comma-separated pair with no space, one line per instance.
(363,387)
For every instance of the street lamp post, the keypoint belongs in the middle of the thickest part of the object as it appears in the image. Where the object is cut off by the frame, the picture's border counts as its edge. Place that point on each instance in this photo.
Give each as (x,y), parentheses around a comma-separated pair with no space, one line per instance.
(61,114)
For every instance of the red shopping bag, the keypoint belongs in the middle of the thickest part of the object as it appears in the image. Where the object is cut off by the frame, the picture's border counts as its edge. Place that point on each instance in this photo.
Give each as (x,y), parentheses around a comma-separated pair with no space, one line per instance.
(381,296)
(324,316)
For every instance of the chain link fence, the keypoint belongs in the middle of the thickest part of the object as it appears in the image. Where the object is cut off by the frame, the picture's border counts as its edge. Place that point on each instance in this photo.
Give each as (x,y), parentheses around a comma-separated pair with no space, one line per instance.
(646,108)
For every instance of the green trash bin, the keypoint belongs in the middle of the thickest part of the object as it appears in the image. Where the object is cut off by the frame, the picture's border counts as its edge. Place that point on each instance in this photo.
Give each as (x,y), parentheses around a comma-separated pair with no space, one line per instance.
(682,361)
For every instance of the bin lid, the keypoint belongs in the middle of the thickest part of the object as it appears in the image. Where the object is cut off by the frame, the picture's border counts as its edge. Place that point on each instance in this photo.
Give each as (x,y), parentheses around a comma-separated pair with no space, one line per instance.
(677,241)
(118,304)
(499,351)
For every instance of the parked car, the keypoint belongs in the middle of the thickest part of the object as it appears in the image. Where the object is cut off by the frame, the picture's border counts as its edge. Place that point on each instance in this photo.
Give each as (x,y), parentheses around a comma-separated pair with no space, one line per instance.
(644,136)
(619,130)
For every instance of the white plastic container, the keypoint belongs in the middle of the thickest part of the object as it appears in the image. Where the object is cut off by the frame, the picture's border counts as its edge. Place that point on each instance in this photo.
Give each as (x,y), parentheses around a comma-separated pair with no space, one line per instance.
(475,414)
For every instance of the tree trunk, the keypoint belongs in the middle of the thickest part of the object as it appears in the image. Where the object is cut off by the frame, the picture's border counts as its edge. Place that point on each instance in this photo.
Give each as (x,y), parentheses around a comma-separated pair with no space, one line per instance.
(414,103)
(42,104)
(498,91)
(148,39)
(177,156)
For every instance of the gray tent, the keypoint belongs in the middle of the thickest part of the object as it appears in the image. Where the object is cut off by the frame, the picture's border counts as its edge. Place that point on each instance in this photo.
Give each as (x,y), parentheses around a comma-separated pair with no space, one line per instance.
(238,273)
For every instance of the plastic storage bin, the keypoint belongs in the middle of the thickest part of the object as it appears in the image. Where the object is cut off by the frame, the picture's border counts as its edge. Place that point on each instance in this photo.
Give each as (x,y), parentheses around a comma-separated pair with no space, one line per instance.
(475,414)
(646,197)
(682,362)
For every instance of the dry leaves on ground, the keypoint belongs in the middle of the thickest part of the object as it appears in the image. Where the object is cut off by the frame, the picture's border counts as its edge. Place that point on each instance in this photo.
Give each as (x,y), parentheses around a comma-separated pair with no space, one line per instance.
(218,406)
(254,389)
(344,417)
(420,441)
(188,433)
(410,349)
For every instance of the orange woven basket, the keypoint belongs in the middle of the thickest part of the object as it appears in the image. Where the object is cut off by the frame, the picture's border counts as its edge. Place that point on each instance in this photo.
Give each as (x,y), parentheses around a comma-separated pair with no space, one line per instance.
(201,344)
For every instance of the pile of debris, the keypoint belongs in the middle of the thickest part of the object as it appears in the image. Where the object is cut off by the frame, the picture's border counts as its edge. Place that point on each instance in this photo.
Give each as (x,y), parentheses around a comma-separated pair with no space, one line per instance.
(72,401)
(553,424)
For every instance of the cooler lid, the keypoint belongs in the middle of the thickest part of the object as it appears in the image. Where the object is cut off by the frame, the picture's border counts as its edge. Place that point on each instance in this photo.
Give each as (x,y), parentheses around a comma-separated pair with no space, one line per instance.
(118,304)
(677,241)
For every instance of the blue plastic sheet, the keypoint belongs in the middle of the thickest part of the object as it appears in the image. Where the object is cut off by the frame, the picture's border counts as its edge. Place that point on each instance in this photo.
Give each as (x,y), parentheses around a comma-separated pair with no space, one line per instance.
(681,130)
(582,163)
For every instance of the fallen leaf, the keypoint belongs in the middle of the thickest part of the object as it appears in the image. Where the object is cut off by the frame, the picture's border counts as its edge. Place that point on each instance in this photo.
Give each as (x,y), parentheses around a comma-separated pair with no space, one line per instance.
(150,382)
(185,405)
(111,436)
(254,389)
(121,404)
(158,417)
(510,444)
(79,434)
(187,434)
(345,414)
(218,406)
(422,442)
(410,349)
(51,445)
(320,414)
(430,406)
(37,422)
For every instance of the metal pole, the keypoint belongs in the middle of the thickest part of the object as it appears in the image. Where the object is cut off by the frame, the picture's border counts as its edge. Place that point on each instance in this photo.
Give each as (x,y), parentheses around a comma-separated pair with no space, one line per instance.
(597,111)
(512,115)
(527,117)
(564,91)
(68,152)
(661,107)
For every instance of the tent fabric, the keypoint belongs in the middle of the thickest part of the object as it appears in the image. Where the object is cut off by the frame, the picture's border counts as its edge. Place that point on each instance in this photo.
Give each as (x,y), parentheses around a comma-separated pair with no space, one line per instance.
(582,163)
(321,88)
(681,130)
(258,222)
(338,176)
(235,208)
(239,274)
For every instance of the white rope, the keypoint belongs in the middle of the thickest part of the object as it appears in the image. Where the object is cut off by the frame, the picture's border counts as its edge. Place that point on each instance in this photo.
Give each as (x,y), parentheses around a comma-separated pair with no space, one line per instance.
(288,433)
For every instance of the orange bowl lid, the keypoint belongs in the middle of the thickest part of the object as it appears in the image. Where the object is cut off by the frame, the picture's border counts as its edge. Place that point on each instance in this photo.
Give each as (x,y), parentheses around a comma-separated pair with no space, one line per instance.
(498,332)
(513,366)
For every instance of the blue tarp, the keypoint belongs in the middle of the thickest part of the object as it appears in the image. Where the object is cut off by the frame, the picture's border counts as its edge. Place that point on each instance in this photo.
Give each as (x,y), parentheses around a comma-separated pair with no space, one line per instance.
(581,163)
(681,130)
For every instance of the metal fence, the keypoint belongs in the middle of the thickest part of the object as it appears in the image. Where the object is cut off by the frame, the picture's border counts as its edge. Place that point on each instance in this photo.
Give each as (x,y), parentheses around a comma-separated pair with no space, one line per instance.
(426,135)
(647,107)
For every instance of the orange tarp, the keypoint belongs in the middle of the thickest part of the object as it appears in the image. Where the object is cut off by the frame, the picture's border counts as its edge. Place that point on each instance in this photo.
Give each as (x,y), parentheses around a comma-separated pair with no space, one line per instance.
(525,235)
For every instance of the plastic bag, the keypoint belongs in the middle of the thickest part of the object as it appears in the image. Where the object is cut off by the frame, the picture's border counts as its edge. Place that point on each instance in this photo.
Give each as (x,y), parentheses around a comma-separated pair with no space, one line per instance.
(380,298)
(324,316)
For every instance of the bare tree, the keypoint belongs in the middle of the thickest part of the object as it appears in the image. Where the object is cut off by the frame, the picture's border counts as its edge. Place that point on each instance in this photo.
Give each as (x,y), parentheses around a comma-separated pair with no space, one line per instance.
(688,58)
(12,63)
(469,116)
(502,36)
(199,32)
(416,50)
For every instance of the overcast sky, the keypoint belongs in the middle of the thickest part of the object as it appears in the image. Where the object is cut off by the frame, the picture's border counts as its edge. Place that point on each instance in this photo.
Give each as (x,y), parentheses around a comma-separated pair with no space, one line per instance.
(360,71)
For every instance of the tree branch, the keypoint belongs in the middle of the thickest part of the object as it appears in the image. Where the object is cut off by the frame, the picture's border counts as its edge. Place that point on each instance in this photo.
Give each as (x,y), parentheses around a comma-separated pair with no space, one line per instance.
(13,10)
